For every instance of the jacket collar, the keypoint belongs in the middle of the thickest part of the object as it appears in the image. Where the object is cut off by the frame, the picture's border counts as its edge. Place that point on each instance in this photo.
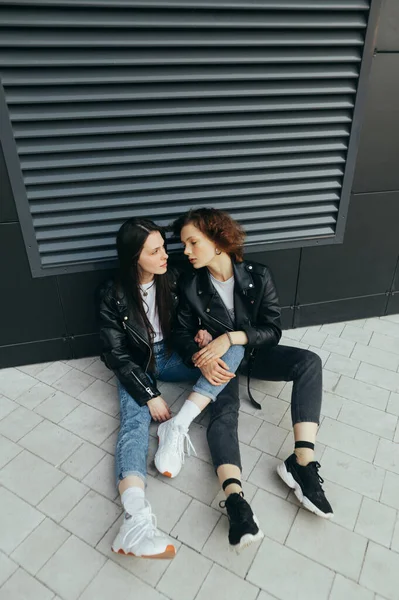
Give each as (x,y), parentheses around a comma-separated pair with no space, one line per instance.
(244,282)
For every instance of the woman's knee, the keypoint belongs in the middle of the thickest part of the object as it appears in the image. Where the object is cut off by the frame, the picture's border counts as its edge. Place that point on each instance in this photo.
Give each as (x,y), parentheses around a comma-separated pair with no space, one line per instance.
(310,361)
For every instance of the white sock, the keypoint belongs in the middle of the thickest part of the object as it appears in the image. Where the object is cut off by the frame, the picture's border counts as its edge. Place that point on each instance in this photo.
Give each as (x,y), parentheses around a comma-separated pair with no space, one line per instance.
(133,500)
(187,414)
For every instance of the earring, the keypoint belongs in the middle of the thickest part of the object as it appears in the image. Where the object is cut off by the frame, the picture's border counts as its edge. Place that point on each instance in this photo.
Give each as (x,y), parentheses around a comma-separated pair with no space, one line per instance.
(218,251)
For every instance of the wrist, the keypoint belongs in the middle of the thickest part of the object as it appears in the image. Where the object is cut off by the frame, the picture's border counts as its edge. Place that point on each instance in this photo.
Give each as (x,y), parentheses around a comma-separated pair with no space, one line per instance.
(230,339)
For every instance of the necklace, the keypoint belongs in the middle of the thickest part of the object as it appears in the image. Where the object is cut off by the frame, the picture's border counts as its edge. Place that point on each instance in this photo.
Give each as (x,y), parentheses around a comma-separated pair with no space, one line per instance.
(145,292)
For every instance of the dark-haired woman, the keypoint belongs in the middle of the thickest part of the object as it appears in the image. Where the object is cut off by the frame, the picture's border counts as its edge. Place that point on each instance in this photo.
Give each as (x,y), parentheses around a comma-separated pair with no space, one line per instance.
(236,302)
(136,317)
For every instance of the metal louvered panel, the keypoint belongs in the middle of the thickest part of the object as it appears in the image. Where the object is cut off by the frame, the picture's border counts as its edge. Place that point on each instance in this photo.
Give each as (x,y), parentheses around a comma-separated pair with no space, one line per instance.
(151,108)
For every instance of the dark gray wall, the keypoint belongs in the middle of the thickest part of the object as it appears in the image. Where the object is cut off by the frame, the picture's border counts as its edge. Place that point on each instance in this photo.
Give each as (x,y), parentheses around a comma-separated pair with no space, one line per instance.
(53,317)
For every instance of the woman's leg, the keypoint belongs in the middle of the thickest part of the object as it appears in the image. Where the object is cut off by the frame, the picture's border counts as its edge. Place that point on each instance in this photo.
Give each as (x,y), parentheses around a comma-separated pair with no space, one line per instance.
(304,369)
(136,535)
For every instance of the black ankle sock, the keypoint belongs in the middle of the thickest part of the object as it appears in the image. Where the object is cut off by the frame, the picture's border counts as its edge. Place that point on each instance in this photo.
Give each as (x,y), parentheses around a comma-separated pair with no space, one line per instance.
(304,445)
(229,481)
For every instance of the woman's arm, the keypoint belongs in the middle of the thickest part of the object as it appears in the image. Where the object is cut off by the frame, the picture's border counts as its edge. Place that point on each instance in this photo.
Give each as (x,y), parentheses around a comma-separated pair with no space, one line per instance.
(117,356)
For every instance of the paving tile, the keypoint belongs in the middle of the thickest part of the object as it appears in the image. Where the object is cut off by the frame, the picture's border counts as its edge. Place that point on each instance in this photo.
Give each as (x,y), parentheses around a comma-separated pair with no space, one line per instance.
(110,443)
(393,404)
(15,529)
(52,443)
(264,475)
(356,323)
(197,478)
(331,405)
(330,380)
(352,473)
(7,568)
(385,342)
(73,557)
(269,438)
(149,571)
(83,460)
(364,393)
(221,584)
(196,525)
(342,364)
(6,406)
(381,571)
(61,500)
(388,456)
(314,338)
(21,586)
(274,514)
(90,424)
(8,451)
(377,376)
(74,382)
(53,372)
(199,439)
(30,477)
(286,421)
(273,388)
(245,403)
(247,427)
(286,393)
(57,406)
(329,544)
(369,419)
(324,354)
(338,345)
(34,369)
(295,334)
(81,363)
(249,458)
(287,574)
(376,356)
(218,550)
(189,569)
(332,328)
(395,538)
(356,334)
(91,518)
(18,423)
(39,546)
(98,370)
(13,383)
(114,582)
(376,522)
(102,478)
(388,328)
(348,439)
(390,490)
(286,341)
(102,396)
(35,395)
(344,588)
(344,502)
(273,409)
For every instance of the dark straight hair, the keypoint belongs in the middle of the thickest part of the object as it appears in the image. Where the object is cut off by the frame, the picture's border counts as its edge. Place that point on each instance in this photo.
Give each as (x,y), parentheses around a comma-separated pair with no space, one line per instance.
(130,240)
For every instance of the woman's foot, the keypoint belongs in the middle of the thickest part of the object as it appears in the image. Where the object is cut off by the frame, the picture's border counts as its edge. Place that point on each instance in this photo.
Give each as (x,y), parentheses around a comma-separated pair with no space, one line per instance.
(169,457)
(306,483)
(139,536)
(244,527)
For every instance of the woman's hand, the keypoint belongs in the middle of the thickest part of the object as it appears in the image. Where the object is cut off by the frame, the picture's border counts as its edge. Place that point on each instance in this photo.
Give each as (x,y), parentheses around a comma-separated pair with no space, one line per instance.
(203,338)
(214,349)
(217,372)
(158,408)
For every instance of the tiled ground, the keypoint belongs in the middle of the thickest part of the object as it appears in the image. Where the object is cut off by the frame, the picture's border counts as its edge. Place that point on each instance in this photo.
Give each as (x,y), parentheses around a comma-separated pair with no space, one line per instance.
(59,510)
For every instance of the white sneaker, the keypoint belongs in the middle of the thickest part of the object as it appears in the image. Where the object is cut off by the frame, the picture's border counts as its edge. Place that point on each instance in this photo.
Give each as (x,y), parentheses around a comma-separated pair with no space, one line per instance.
(169,457)
(139,536)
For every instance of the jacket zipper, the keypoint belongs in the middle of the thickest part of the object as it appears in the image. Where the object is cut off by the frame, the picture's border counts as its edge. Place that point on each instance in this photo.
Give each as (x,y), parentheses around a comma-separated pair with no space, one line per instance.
(147,389)
(220,323)
(126,326)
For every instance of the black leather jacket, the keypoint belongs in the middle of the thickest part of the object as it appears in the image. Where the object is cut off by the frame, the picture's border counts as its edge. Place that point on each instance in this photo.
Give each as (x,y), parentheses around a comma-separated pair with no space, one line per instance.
(257,310)
(126,348)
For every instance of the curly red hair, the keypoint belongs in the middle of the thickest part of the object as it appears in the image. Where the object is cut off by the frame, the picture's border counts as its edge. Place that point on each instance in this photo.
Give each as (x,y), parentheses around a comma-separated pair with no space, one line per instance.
(218,226)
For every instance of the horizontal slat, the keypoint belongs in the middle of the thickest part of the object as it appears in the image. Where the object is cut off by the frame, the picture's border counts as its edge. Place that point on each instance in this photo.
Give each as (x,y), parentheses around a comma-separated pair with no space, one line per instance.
(175,38)
(177,74)
(107,142)
(83,204)
(72,61)
(174,91)
(229,4)
(78,174)
(140,125)
(97,110)
(31,162)
(115,18)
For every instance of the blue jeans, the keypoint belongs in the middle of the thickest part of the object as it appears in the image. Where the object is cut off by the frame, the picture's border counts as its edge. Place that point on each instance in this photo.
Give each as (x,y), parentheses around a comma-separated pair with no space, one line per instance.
(132,444)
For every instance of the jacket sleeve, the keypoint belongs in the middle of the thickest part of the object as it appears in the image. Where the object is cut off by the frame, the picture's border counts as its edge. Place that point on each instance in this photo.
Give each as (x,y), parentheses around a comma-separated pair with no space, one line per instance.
(267,330)
(185,329)
(118,357)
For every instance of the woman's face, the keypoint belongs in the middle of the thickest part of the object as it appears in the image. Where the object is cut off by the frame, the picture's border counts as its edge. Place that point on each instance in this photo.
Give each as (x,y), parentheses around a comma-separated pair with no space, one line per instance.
(153,258)
(198,248)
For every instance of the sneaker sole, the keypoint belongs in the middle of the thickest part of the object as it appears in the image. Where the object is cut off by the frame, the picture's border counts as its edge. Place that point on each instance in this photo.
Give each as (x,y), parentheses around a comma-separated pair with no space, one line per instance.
(170,552)
(248,539)
(164,473)
(306,503)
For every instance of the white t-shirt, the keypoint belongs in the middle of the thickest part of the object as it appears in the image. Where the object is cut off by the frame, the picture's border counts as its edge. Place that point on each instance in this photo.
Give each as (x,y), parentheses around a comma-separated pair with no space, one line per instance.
(225,289)
(151,309)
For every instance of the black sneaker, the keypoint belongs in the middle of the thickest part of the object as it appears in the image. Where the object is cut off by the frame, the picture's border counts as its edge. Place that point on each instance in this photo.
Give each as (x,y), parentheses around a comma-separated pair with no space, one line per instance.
(244,527)
(306,483)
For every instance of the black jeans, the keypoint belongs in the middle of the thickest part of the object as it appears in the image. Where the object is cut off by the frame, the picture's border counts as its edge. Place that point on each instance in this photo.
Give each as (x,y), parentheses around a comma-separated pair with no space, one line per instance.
(280,363)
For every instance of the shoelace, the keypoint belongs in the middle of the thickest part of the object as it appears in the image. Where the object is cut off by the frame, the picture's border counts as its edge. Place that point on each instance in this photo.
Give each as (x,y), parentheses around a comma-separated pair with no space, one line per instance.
(315,466)
(177,440)
(143,524)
